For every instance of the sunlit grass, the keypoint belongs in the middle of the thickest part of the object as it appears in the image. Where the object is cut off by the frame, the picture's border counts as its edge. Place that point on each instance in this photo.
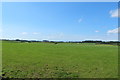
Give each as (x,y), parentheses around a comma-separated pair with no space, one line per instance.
(65,60)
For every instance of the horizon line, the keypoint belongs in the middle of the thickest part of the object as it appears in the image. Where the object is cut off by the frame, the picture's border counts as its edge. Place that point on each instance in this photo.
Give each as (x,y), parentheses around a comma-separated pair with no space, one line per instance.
(58,40)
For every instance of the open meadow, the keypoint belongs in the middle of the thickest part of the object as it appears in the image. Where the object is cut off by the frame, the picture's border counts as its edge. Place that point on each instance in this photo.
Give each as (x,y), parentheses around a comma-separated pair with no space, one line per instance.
(62,60)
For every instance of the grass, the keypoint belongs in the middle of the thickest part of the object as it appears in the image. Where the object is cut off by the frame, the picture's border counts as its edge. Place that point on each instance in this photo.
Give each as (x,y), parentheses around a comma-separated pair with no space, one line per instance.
(64,60)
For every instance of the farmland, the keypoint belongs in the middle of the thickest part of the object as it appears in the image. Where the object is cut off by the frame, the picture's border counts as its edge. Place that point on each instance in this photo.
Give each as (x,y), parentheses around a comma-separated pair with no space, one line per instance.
(63,60)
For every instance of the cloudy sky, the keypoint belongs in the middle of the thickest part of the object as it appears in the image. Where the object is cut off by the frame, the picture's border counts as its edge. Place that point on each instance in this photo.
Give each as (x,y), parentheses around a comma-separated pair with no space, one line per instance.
(60,20)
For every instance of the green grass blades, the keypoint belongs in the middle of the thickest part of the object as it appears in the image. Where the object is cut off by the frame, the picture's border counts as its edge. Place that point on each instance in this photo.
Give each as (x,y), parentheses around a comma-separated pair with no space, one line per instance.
(0,58)
(64,60)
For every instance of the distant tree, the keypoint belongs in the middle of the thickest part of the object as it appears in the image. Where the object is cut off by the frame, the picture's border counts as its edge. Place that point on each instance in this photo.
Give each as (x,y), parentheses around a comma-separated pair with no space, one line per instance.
(17,40)
(45,41)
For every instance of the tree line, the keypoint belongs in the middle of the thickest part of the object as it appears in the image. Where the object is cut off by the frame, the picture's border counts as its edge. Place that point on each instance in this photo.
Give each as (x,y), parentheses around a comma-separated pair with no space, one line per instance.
(56,42)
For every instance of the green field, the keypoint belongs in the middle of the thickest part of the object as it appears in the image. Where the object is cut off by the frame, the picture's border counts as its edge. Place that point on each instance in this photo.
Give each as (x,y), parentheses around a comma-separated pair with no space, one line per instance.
(64,60)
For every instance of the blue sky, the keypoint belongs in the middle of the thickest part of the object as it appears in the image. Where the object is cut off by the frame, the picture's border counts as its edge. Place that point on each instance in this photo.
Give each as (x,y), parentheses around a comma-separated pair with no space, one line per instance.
(60,0)
(60,20)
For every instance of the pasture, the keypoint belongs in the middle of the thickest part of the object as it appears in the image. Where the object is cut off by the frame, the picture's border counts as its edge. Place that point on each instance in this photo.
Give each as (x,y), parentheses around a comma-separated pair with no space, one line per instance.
(64,60)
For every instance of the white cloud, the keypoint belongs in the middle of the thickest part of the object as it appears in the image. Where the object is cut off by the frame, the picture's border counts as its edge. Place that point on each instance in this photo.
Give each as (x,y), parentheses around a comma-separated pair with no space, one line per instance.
(114,13)
(113,31)
(58,35)
(97,31)
(35,33)
(24,33)
(80,20)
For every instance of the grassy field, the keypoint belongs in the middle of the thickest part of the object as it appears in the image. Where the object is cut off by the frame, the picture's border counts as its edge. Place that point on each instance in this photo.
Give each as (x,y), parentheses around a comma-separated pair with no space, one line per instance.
(64,60)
